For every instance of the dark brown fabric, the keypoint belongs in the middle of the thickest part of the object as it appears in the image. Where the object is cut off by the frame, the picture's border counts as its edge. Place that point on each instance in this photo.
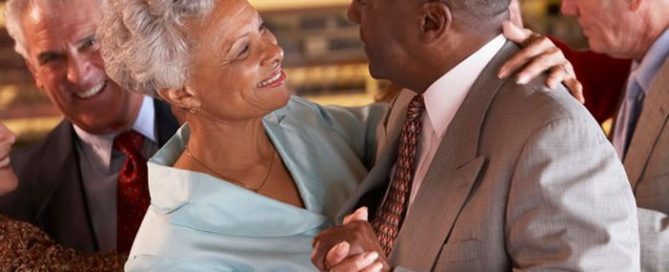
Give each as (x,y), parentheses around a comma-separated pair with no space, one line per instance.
(24,247)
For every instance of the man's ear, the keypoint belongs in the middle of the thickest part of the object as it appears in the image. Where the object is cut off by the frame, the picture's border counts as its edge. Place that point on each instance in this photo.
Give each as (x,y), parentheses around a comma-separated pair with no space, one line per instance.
(181,98)
(436,20)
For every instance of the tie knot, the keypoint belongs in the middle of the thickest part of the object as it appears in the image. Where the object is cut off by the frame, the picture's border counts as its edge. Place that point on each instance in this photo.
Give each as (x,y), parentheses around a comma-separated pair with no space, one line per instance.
(129,141)
(416,107)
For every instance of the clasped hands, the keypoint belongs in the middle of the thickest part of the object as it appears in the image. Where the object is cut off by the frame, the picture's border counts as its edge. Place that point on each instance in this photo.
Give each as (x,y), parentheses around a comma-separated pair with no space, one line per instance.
(353,246)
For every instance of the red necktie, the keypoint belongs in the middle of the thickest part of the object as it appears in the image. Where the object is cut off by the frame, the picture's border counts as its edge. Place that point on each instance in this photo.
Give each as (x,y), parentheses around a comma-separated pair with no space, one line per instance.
(132,191)
(390,215)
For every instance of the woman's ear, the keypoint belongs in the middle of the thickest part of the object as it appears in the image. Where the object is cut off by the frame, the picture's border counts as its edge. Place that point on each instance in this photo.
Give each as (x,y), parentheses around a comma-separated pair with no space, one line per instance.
(436,20)
(180,98)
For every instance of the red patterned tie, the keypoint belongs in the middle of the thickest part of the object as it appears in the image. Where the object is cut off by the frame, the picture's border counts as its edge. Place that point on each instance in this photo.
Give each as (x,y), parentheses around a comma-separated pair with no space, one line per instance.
(390,215)
(133,190)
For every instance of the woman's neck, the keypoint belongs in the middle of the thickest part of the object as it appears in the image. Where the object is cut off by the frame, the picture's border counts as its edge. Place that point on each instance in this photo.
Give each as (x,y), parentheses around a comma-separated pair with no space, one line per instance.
(229,145)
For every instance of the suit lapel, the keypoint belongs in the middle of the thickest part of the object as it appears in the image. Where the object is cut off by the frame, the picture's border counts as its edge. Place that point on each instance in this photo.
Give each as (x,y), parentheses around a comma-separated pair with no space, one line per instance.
(454,170)
(393,121)
(65,194)
(651,122)
(371,190)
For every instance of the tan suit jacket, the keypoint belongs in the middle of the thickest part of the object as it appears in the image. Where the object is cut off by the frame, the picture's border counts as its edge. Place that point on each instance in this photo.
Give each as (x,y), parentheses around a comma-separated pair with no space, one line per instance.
(523,179)
(647,165)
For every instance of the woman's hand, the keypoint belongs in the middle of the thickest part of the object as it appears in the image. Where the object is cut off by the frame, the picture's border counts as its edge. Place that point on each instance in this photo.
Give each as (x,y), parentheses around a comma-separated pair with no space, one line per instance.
(539,54)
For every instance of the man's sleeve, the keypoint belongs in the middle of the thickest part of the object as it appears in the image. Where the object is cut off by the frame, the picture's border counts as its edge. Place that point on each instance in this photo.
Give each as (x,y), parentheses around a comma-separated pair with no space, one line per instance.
(654,236)
(570,205)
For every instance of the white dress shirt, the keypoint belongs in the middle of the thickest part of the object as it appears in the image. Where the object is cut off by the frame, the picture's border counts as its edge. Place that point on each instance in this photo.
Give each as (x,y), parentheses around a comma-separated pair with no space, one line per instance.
(99,171)
(442,100)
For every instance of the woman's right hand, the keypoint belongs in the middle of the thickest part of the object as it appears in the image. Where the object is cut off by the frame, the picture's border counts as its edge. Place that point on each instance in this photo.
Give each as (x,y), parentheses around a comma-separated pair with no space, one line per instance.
(8,180)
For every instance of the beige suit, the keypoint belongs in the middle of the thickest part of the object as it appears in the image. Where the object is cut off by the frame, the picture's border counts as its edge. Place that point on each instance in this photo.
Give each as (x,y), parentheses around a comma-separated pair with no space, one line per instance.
(523,179)
(647,165)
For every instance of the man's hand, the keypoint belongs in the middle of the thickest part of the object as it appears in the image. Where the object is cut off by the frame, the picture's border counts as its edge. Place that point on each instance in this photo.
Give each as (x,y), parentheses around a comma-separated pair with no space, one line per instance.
(350,247)
(539,54)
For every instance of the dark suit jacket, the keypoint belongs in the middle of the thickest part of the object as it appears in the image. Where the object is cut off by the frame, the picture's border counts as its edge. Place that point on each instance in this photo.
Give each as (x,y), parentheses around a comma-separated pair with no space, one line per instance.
(51,193)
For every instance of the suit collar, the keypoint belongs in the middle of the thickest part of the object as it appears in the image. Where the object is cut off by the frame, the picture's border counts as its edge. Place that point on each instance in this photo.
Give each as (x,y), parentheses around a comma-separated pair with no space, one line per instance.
(64,191)
(455,169)
(649,127)
(444,96)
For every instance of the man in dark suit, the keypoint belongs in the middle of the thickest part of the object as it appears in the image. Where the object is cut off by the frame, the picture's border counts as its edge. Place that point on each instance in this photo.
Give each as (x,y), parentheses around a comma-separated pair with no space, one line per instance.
(85,184)
(477,173)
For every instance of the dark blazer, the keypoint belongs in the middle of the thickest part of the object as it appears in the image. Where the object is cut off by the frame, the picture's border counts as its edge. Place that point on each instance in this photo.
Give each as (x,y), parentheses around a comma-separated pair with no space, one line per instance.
(51,193)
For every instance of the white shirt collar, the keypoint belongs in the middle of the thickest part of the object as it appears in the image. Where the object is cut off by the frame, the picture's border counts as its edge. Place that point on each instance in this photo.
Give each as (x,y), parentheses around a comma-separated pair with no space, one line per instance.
(444,96)
(101,144)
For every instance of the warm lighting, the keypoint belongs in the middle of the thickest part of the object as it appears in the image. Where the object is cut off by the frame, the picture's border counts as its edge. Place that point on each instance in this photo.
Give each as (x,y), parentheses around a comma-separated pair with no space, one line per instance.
(2,14)
(264,5)
(7,95)
(32,126)
(607,125)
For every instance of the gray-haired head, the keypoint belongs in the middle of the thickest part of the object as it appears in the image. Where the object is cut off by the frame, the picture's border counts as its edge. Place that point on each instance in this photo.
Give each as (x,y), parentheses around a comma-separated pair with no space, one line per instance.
(15,10)
(144,44)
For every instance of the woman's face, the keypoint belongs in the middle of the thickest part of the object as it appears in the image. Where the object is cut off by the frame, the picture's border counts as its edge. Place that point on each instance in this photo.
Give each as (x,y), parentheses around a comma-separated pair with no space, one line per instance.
(235,67)
(8,180)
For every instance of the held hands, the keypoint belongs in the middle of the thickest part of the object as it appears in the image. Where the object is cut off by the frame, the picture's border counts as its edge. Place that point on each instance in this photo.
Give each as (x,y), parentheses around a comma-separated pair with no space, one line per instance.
(352,246)
(539,54)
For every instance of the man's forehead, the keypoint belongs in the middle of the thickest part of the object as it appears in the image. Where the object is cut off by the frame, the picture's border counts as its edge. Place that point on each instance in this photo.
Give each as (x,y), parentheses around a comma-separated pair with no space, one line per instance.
(46,32)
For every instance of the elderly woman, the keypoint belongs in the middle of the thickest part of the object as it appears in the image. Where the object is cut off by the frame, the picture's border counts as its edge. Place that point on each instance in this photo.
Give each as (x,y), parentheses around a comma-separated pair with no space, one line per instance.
(255,173)
(24,247)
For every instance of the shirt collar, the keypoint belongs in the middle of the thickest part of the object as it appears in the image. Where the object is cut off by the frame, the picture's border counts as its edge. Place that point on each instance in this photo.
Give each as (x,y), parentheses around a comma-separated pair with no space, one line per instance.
(102,143)
(444,96)
(645,71)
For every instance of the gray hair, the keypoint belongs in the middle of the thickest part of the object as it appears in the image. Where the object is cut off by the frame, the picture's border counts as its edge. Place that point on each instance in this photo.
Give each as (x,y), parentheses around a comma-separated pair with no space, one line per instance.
(144,45)
(16,9)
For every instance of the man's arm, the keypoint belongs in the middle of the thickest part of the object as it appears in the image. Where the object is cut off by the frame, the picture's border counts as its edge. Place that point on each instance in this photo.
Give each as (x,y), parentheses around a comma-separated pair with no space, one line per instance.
(570,206)
(654,236)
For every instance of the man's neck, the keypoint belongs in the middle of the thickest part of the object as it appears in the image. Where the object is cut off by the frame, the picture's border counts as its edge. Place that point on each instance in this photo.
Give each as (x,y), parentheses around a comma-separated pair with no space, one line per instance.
(444,60)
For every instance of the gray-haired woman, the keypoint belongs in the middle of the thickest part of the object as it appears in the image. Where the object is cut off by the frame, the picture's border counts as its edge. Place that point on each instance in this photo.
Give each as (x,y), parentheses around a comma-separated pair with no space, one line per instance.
(255,173)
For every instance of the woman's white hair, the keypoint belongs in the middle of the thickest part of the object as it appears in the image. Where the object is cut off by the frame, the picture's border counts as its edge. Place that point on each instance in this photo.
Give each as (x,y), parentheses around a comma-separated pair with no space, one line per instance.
(15,10)
(144,44)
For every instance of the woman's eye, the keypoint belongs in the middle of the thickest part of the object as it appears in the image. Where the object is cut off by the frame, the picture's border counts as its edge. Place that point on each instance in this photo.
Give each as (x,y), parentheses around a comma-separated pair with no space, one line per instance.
(244,50)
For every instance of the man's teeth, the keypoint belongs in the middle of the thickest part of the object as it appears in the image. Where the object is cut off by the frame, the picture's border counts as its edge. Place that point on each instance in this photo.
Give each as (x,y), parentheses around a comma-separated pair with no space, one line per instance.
(92,91)
(270,81)
(4,161)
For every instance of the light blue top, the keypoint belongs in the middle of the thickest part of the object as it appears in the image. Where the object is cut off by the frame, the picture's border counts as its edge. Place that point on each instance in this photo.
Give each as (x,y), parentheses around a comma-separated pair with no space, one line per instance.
(197,222)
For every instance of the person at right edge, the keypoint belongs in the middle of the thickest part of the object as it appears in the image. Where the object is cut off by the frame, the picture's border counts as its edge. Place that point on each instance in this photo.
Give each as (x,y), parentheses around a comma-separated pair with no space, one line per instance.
(637,30)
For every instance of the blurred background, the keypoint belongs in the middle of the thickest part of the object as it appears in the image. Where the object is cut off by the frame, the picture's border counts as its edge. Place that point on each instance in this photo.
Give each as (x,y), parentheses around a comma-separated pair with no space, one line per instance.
(324,59)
